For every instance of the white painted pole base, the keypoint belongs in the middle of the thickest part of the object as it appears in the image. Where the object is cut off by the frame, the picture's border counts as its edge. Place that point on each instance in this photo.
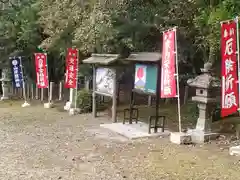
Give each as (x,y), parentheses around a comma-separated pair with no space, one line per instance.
(74,111)
(68,106)
(25,104)
(48,105)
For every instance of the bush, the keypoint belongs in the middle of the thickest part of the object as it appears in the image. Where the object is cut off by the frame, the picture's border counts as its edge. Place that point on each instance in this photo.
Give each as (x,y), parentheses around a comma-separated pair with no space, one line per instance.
(84,100)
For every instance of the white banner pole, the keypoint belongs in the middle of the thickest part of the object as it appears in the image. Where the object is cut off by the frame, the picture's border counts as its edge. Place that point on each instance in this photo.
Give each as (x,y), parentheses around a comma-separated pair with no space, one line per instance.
(76,89)
(238,58)
(25,104)
(177,75)
(23,81)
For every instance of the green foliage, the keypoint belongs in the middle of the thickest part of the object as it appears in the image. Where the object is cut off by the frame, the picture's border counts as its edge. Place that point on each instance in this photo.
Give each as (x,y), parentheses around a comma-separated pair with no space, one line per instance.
(84,100)
(113,27)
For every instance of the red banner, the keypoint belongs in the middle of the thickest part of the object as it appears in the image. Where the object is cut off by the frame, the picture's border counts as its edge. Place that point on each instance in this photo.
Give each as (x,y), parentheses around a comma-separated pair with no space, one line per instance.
(168,81)
(229,102)
(71,68)
(41,70)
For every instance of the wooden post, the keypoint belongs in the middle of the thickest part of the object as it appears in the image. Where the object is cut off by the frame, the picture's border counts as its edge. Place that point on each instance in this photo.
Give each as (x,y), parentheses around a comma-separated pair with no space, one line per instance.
(36,92)
(157,100)
(60,91)
(94,107)
(86,83)
(149,100)
(50,92)
(118,93)
(186,94)
(32,91)
(28,90)
(131,104)
(114,98)
(42,94)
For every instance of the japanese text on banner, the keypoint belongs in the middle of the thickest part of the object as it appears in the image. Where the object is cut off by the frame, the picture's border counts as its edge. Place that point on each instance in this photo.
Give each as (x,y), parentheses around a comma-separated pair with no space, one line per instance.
(71,68)
(41,70)
(17,71)
(229,102)
(168,81)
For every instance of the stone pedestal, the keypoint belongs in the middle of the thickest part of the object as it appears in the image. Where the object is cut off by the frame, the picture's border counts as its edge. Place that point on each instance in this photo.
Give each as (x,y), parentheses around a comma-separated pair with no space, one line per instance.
(202,132)
(206,86)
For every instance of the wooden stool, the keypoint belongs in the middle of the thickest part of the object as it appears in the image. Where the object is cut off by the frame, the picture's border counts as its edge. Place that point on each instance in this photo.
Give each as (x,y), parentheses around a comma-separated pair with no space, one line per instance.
(158,123)
(132,115)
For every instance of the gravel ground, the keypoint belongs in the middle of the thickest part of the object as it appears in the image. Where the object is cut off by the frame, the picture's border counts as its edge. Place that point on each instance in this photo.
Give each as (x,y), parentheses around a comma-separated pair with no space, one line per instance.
(40,144)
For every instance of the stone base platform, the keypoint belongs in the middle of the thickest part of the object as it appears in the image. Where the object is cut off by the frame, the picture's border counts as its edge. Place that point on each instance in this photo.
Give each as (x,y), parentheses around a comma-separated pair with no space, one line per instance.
(198,136)
(180,138)
(134,131)
(192,136)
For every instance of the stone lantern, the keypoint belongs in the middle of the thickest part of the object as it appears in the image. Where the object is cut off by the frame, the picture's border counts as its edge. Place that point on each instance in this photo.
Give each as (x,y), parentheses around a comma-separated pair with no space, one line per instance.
(5,84)
(206,86)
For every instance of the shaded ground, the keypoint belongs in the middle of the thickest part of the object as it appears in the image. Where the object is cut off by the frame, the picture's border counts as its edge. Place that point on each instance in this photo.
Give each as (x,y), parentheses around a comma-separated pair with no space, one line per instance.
(41,144)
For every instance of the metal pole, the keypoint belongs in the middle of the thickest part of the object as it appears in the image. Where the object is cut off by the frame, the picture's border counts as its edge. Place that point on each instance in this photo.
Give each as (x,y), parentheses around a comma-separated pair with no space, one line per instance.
(49,100)
(76,89)
(238,55)
(94,104)
(24,90)
(177,75)
(114,98)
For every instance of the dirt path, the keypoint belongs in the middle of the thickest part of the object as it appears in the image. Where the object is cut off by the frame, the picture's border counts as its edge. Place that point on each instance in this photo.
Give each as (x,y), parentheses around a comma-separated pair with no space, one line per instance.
(41,144)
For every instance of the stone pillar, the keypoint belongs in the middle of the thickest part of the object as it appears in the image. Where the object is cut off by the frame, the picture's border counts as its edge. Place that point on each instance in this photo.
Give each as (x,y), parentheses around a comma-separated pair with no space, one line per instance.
(5,86)
(204,121)
(5,94)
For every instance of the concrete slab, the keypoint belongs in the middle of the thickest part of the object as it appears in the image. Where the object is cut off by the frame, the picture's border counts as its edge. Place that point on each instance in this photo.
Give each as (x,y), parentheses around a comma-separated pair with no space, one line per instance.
(134,131)
(234,151)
